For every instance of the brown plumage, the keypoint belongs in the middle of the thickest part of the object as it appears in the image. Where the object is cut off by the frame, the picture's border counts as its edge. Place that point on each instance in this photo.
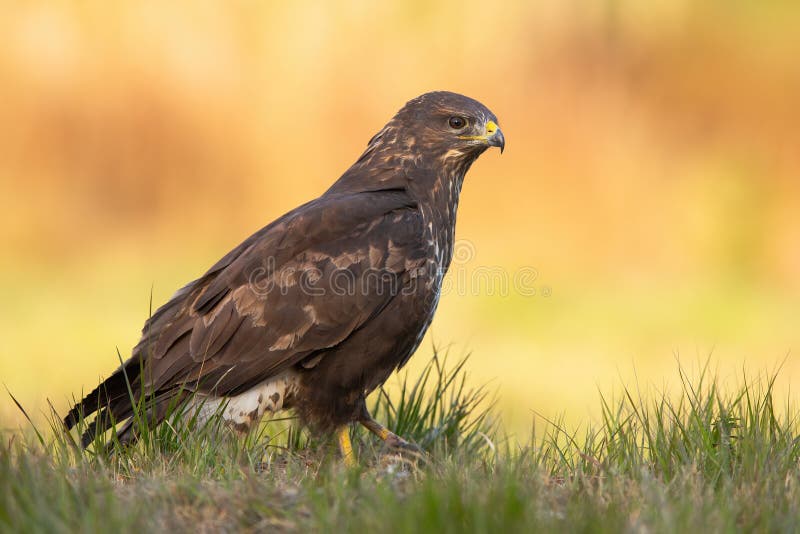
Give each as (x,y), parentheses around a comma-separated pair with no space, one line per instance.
(318,308)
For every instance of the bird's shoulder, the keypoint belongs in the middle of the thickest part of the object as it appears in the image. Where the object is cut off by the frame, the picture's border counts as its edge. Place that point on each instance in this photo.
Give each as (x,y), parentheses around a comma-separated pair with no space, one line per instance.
(330,228)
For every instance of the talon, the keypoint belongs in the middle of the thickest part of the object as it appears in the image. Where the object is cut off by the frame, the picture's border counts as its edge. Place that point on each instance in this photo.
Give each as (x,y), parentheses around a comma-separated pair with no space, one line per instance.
(401,444)
(393,440)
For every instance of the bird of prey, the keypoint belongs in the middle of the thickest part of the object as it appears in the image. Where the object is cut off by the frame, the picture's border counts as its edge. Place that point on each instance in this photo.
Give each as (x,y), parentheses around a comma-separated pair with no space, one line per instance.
(318,308)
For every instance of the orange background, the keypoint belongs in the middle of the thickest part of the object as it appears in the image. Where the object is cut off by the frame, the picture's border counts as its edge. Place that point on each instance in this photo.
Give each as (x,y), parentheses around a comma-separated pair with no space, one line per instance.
(651,175)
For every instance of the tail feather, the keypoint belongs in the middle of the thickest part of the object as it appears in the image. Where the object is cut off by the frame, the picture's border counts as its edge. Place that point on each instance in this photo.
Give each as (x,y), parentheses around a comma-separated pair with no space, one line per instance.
(112,400)
(154,410)
(117,400)
(116,411)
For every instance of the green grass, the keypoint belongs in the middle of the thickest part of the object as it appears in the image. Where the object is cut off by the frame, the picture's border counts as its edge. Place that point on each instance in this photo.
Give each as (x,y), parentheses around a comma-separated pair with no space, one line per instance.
(706,457)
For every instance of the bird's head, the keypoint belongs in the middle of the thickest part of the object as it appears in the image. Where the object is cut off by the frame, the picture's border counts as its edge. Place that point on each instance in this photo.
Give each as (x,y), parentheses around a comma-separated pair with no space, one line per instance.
(433,139)
(447,123)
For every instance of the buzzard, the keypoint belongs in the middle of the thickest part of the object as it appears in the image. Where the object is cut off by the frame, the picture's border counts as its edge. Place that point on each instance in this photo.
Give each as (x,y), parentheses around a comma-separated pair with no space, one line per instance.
(318,308)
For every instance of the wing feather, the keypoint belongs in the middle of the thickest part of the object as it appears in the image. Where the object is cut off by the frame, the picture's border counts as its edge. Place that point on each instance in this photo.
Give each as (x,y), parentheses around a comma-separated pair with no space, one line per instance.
(259,309)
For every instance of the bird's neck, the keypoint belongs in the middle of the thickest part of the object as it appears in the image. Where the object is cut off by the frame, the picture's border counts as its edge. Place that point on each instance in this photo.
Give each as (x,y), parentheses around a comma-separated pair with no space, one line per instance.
(432,179)
(439,206)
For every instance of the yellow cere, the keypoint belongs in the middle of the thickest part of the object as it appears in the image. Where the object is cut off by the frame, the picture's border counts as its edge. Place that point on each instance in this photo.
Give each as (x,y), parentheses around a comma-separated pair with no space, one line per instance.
(491,128)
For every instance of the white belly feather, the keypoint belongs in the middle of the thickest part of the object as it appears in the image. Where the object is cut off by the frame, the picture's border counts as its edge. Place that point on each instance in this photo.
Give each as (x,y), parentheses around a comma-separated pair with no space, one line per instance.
(245,410)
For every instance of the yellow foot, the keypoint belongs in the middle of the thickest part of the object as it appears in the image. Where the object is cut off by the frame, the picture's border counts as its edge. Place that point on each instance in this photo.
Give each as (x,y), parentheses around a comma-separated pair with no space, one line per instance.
(387,436)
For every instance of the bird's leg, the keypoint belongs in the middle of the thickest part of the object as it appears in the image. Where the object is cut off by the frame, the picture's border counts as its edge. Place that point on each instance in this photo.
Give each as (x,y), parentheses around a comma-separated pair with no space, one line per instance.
(386,435)
(382,432)
(346,446)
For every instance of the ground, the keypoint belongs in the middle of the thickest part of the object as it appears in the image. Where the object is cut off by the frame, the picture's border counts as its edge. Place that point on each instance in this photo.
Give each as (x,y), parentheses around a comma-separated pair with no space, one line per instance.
(704,459)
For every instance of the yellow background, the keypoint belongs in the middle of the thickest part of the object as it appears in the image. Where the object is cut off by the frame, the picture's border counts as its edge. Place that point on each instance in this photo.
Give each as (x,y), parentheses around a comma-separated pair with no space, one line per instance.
(651,175)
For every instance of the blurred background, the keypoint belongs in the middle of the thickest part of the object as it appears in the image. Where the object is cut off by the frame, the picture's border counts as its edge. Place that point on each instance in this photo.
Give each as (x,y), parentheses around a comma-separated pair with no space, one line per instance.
(650,187)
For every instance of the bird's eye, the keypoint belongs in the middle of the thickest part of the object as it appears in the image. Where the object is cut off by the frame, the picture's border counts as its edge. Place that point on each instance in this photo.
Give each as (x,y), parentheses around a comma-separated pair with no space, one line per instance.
(457,123)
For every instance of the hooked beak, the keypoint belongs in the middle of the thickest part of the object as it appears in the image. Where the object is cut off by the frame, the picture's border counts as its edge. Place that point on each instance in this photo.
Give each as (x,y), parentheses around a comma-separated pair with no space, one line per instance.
(494,136)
